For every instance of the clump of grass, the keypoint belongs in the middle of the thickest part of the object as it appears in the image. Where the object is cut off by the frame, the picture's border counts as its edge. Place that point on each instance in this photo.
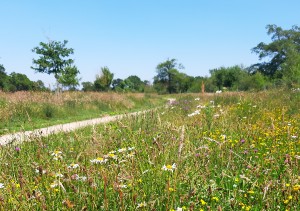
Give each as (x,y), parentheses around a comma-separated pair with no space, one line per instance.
(246,157)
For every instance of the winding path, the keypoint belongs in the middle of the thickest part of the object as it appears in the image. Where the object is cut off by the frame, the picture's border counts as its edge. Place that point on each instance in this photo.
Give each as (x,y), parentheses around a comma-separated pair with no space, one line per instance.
(20,137)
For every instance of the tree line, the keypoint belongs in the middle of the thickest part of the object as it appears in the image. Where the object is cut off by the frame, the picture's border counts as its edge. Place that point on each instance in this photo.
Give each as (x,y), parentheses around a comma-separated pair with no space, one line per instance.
(279,66)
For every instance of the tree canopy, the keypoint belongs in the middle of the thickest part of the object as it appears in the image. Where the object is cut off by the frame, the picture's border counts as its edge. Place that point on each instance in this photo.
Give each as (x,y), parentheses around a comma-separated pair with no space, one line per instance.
(281,53)
(54,60)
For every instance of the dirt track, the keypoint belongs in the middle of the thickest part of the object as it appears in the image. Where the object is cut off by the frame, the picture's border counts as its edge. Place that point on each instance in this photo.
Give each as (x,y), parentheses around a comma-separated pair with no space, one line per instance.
(29,135)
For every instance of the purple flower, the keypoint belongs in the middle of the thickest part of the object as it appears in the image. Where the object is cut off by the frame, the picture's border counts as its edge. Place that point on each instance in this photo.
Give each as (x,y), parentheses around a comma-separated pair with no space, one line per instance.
(17,149)
(242,141)
(197,155)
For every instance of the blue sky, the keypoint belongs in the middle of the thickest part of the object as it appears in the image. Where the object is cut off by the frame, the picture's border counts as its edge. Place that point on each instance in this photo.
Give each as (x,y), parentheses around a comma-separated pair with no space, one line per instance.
(132,36)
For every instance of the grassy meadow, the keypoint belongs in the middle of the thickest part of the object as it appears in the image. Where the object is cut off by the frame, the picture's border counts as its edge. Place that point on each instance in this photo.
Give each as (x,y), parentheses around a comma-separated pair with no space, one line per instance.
(228,151)
(30,110)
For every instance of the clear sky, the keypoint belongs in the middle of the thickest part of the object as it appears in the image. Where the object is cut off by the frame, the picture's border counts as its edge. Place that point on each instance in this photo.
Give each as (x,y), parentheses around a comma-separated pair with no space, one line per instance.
(131,37)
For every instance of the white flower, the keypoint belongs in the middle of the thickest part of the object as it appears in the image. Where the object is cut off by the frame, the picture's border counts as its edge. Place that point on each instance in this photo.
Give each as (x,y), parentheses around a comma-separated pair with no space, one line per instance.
(169,167)
(54,184)
(1,185)
(293,136)
(121,150)
(179,209)
(57,155)
(131,148)
(130,155)
(197,98)
(59,175)
(38,171)
(141,205)
(73,166)
(99,160)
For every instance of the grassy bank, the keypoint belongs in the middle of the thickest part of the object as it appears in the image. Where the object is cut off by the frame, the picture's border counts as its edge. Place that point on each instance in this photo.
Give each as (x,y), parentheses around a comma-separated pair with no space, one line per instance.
(31,110)
(219,152)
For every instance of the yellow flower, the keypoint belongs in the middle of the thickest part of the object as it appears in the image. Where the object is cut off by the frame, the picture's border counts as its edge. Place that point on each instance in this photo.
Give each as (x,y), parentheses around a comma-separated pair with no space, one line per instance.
(171,189)
(287,185)
(236,180)
(250,191)
(286,201)
(290,197)
(296,187)
(203,202)
(215,198)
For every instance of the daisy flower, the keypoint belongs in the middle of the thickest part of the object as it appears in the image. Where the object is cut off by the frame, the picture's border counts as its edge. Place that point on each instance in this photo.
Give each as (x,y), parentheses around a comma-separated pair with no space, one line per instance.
(169,167)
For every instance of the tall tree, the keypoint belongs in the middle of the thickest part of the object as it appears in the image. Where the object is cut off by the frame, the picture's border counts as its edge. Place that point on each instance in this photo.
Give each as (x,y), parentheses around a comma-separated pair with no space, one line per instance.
(285,44)
(166,72)
(103,80)
(54,60)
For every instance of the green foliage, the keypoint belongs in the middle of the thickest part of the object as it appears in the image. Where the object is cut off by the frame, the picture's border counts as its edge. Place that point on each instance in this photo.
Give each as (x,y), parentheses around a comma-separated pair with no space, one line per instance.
(104,80)
(283,53)
(68,77)
(87,86)
(54,60)
(169,79)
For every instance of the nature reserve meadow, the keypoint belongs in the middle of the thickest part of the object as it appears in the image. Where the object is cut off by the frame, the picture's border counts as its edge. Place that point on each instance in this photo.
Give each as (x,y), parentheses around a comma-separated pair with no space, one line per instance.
(227,151)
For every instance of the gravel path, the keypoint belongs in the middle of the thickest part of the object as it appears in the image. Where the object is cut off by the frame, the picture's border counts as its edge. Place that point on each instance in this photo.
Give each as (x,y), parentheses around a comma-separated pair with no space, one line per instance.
(29,135)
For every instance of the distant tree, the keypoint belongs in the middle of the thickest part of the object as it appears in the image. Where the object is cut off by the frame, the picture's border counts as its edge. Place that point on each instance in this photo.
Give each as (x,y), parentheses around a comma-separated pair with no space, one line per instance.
(118,85)
(166,73)
(54,60)
(3,77)
(39,86)
(87,86)
(228,77)
(103,80)
(68,78)
(134,83)
(19,82)
(282,54)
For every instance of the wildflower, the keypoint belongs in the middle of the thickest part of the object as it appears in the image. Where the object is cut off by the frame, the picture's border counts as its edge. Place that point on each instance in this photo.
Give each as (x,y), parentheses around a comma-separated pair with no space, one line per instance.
(59,175)
(130,155)
(1,185)
(290,197)
(171,189)
(112,155)
(286,201)
(251,192)
(73,166)
(131,148)
(141,205)
(215,198)
(18,149)
(295,188)
(169,167)
(242,141)
(203,202)
(99,160)
(54,184)
(287,185)
(57,155)
(197,99)
(122,150)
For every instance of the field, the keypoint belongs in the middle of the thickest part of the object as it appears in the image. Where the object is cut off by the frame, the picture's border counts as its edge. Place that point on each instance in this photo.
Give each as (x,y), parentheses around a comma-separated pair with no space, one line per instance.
(31,110)
(229,151)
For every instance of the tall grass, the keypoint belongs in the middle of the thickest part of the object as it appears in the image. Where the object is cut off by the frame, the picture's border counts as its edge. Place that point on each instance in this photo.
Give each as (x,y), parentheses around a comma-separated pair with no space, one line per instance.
(219,152)
(29,110)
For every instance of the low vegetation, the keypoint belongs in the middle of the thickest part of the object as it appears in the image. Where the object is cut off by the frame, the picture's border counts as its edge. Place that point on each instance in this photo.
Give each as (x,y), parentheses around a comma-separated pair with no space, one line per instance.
(30,110)
(214,152)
